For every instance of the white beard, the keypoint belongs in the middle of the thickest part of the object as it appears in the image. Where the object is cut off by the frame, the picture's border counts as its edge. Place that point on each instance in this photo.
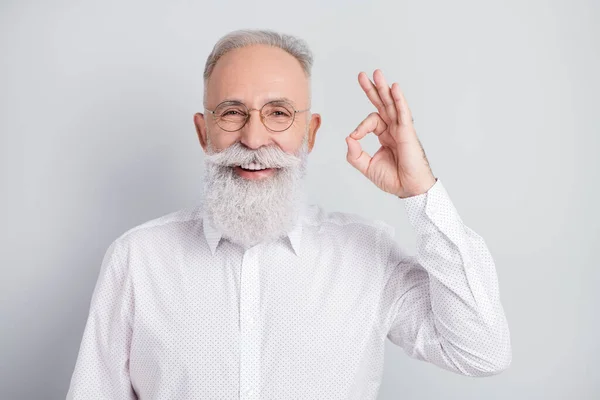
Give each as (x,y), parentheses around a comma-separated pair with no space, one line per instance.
(248,212)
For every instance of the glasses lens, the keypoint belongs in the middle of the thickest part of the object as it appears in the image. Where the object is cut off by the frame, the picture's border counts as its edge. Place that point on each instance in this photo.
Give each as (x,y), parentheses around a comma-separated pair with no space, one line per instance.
(278,116)
(231,116)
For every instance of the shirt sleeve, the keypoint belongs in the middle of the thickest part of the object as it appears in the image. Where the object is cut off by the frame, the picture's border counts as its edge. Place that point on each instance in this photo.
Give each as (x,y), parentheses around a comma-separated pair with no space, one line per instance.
(444,301)
(102,366)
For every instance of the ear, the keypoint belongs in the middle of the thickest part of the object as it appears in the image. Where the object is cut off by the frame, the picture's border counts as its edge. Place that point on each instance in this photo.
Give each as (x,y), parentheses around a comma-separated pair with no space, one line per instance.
(200,124)
(315,123)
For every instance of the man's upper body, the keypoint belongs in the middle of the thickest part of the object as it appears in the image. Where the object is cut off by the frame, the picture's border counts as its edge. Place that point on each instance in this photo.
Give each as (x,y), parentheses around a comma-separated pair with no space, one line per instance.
(181,313)
(254,294)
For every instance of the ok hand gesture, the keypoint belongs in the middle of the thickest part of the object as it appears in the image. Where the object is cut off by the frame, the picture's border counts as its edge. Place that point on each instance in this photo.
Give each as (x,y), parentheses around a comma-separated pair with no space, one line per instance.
(400,166)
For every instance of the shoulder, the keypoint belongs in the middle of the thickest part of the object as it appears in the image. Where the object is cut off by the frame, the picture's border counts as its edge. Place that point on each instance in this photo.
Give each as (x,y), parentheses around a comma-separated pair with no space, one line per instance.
(345,223)
(165,229)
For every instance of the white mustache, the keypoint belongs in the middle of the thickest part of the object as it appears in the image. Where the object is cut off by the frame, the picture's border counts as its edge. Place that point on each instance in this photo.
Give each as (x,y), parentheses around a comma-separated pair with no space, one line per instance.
(267,156)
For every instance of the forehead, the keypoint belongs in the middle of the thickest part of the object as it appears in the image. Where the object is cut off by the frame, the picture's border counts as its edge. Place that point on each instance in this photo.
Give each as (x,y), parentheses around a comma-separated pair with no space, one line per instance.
(256,74)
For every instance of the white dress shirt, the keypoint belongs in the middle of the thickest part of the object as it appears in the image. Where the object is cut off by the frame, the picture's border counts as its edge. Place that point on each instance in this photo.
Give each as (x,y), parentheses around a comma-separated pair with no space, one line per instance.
(180,313)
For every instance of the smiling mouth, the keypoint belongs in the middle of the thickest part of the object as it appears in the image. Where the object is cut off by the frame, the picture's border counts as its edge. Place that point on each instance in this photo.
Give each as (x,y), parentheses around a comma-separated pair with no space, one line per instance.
(254,172)
(251,167)
(239,167)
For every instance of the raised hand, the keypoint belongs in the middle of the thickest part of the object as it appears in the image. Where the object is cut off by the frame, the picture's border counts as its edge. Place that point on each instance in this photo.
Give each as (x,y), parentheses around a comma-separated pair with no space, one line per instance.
(400,166)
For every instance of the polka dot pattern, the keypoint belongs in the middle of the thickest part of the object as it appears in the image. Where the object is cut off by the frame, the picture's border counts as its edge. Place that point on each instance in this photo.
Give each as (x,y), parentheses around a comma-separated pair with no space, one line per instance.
(178,312)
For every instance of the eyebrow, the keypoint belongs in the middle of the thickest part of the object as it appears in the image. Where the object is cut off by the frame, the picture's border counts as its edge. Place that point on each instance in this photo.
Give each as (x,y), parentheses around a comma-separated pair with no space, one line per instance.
(266,101)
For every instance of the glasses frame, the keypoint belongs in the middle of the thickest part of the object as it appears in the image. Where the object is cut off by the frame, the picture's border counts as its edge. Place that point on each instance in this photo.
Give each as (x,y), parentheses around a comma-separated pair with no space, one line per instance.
(260,113)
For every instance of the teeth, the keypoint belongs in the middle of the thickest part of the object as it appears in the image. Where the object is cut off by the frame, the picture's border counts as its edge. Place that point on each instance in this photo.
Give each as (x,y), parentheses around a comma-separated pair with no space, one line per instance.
(253,166)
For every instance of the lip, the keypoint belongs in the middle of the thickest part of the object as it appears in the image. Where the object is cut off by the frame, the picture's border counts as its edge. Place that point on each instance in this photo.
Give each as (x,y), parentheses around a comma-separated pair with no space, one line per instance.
(253,175)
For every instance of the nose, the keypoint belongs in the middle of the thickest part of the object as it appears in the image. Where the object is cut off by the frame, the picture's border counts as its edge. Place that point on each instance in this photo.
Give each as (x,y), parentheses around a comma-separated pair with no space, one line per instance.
(254,134)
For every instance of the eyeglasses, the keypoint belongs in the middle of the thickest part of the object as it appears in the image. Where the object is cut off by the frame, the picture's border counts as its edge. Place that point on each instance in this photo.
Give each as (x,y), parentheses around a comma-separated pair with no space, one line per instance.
(277,115)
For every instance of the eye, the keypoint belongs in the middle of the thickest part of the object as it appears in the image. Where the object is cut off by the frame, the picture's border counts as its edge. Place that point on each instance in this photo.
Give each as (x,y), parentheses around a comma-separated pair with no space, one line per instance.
(231,112)
(279,112)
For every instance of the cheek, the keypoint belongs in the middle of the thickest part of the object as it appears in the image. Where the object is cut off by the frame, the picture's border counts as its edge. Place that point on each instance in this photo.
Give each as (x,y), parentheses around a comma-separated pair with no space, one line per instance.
(223,140)
(289,143)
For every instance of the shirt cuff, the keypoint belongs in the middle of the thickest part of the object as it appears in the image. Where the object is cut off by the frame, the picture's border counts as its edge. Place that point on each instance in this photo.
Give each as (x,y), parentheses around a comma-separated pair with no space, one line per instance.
(430,211)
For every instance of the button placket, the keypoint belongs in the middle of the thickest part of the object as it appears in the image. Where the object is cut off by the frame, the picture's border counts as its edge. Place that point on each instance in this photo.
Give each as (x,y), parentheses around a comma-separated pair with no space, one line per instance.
(249,335)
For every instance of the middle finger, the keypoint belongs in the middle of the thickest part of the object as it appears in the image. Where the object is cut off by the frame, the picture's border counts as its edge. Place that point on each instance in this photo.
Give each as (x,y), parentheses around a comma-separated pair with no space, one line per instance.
(373,95)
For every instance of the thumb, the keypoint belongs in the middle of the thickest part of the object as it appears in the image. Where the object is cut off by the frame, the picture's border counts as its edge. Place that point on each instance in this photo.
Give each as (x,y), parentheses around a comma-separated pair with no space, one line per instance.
(358,158)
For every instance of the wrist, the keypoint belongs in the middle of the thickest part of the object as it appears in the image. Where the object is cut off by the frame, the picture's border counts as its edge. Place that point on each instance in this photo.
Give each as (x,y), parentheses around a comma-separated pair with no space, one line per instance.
(417,192)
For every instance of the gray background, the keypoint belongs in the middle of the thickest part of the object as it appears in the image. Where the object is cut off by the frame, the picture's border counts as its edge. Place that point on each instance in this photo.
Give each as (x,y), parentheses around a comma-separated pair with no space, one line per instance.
(97,136)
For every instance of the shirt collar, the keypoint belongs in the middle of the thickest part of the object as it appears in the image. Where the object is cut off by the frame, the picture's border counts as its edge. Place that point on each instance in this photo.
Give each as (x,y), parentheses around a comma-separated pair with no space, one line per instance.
(213,235)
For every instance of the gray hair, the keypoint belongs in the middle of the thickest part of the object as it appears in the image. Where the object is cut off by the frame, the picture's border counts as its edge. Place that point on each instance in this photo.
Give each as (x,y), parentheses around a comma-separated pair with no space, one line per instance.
(248,37)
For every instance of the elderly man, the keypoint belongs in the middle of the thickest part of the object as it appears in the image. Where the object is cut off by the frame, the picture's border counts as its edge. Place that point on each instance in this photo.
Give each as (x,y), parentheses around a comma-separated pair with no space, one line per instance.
(256,294)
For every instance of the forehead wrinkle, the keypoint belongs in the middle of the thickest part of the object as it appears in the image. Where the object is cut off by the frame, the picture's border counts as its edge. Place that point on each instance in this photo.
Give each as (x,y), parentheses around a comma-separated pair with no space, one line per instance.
(257,71)
(258,91)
